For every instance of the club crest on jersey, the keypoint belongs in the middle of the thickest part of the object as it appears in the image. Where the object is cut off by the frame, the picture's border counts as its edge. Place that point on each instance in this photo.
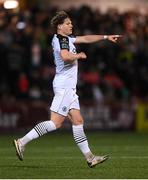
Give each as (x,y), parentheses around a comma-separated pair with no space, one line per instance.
(64,108)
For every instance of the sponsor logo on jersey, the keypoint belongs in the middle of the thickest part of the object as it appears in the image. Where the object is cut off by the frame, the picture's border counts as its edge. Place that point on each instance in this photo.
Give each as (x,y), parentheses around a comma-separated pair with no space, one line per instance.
(64,46)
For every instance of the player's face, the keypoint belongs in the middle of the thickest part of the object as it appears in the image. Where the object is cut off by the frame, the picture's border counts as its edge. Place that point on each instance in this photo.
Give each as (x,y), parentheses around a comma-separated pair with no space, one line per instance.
(66,27)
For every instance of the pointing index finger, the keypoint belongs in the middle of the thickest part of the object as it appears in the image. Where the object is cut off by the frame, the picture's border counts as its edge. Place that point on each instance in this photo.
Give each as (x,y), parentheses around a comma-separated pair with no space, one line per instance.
(117,36)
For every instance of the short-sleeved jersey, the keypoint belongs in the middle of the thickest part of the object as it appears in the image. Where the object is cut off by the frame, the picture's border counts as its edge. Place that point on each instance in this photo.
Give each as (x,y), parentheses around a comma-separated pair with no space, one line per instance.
(66,72)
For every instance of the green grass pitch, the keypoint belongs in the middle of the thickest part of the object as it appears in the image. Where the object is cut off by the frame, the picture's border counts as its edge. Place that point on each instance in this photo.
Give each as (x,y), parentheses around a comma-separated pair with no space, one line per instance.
(55,156)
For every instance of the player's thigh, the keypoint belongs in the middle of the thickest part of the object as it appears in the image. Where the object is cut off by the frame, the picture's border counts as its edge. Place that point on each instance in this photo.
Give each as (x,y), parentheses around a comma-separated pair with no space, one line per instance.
(58,119)
(75,117)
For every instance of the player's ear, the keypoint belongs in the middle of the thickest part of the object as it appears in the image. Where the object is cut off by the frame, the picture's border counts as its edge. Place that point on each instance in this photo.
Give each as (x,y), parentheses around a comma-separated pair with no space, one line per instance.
(59,26)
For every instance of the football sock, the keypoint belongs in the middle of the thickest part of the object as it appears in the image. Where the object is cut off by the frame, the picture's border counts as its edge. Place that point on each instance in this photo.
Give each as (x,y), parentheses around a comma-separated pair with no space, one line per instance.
(39,130)
(81,140)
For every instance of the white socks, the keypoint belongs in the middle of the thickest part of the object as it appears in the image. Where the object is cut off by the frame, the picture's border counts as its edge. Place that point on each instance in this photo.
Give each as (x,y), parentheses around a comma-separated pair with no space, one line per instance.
(48,126)
(81,140)
(39,130)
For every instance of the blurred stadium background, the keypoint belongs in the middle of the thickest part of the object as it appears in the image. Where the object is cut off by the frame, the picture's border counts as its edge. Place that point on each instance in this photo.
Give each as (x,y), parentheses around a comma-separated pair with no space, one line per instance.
(113,88)
(113,83)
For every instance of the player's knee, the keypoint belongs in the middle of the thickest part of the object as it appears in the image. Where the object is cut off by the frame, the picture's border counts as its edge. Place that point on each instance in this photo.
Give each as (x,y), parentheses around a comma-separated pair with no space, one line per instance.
(78,121)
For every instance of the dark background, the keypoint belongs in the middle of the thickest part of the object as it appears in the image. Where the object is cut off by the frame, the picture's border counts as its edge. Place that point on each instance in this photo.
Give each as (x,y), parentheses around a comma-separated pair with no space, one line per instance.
(114,76)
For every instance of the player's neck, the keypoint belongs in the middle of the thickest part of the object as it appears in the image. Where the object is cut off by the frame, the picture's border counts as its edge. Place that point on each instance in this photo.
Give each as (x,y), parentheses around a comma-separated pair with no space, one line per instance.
(61,33)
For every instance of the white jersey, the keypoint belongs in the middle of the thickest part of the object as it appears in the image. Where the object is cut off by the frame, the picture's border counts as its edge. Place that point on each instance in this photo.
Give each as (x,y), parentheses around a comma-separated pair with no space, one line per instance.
(66,72)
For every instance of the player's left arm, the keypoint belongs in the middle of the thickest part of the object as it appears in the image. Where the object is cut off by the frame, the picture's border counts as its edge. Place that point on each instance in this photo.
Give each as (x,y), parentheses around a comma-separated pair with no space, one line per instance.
(96,38)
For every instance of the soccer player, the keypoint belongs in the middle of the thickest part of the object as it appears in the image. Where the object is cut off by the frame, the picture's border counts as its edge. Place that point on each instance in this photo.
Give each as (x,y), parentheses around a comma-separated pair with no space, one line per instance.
(65,102)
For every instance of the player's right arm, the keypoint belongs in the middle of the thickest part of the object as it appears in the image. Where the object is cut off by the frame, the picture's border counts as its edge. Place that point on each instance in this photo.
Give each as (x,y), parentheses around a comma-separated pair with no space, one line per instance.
(68,56)
(65,54)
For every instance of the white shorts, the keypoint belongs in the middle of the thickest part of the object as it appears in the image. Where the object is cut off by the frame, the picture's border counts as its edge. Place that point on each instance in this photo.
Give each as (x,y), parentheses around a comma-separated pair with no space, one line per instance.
(64,100)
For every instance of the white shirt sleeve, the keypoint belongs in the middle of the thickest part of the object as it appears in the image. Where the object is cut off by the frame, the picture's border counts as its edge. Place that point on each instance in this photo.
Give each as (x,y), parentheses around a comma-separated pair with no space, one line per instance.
(73,39)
